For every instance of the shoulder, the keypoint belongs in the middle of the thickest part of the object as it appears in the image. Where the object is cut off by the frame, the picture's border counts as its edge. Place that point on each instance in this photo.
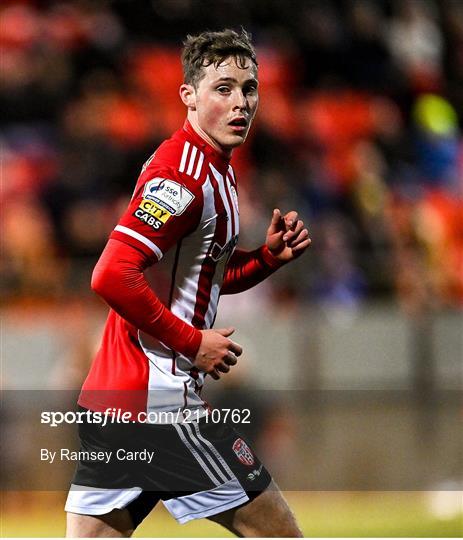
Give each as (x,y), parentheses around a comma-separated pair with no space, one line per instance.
(166,178)
(182,156)
(180,160)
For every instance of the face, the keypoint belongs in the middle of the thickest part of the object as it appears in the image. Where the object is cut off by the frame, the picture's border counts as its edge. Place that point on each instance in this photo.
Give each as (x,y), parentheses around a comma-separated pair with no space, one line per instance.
(223,105)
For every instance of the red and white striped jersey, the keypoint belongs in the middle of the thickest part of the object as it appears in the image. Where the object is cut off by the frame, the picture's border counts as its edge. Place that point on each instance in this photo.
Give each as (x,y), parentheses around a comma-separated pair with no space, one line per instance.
(184,210)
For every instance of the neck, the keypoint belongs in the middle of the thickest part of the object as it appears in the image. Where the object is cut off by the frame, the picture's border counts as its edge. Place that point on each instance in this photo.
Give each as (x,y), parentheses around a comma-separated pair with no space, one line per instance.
(193,119)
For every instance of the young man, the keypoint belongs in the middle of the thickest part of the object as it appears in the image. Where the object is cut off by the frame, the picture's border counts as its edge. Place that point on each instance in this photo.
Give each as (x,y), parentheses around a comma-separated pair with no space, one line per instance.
(162,272)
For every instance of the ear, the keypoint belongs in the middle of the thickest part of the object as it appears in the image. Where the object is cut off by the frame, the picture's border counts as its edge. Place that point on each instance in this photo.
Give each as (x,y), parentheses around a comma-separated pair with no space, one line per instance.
(188,96)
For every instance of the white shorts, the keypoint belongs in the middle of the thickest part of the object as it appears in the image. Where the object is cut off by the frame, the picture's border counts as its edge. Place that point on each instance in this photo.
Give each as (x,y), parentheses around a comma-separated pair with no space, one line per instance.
(96,502)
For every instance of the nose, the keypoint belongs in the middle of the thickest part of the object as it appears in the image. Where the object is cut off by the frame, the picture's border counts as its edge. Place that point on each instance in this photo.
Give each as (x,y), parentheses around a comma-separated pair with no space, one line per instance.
(241,102)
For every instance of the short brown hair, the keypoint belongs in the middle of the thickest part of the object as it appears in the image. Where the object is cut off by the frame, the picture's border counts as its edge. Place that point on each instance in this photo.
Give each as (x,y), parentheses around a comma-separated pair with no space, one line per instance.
(213,48)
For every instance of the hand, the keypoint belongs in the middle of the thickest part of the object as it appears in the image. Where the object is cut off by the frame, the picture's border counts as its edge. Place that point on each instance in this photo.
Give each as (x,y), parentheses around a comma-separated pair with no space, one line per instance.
(287,238)
(216,352)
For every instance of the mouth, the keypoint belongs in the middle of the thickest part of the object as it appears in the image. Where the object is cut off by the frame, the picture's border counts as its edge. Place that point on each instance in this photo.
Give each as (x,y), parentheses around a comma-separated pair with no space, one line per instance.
(238,124)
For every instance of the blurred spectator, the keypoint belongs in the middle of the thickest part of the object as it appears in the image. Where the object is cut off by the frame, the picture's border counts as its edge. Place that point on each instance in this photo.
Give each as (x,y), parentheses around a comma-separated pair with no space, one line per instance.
(415,40)
(437,141)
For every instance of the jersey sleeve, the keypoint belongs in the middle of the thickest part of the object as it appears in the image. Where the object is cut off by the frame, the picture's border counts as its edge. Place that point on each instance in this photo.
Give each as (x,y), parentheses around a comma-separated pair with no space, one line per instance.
(164,208)
(118,278)
(248,268)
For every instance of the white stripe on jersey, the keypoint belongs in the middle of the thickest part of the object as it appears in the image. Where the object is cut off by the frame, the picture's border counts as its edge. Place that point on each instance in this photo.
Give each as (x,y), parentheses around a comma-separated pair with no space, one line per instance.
(213,302)
(223,195)
(199,166)
(154,248)
(184,155)
(234,200)
(205,468)
(188,169)
(184,303)
(215,289)
(194,151)
(231,172)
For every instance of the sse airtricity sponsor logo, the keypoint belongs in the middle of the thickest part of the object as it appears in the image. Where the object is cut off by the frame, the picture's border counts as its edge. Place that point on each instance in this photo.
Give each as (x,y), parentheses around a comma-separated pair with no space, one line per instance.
(169,194)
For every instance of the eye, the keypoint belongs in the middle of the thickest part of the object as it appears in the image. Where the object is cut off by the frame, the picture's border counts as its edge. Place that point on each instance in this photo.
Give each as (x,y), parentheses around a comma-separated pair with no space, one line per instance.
(223,89)
(250,90)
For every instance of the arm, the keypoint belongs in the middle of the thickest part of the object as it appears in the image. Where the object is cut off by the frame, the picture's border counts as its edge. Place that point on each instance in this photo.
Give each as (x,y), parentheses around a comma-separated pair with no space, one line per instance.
(118,278)
(248,268)
(286,240)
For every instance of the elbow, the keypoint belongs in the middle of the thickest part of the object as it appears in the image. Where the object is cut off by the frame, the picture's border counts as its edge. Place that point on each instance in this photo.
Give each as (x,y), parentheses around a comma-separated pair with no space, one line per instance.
(116,272)
(97,283)
(100,281)
(103,274)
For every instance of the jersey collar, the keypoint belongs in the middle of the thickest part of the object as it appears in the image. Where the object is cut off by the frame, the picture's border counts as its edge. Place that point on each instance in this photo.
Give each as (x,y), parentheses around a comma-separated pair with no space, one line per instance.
(219,161)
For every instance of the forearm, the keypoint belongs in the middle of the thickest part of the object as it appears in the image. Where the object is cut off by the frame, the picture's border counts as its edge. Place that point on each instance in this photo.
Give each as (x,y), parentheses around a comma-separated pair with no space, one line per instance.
(118,278)
(248,268)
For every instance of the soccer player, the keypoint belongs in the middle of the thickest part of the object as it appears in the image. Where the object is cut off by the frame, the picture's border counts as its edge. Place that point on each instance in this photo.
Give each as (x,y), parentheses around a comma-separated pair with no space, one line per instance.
(162,271)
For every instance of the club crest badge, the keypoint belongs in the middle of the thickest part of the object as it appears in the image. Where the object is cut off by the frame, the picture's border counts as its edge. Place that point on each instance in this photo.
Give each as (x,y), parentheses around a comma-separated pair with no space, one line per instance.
(243,452)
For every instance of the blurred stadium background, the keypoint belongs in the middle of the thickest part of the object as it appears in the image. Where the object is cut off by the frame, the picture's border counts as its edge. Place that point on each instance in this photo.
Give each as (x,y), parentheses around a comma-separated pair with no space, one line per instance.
(353,356)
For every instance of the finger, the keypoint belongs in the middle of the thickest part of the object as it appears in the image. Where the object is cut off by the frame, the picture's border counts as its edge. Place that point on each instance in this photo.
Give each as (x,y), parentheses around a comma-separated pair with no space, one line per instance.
(235,348)
(290,235)
(225,331)
(302,235)
(230,359)
(276,217)
(222,367)
(214,374)
(302,246)
(290,219)
(277,222)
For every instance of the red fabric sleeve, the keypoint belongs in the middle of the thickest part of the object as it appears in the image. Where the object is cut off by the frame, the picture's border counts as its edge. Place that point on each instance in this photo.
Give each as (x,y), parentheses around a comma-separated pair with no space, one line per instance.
(118,278)
(248,268)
